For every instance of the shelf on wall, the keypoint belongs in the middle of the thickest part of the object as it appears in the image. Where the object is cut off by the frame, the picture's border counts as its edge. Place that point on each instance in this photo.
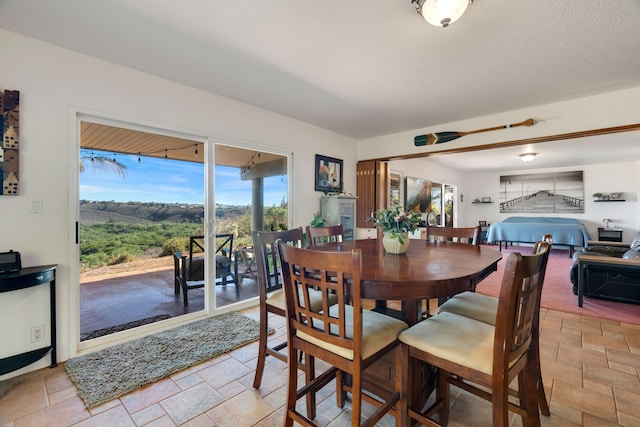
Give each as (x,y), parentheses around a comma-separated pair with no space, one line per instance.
(481,203)
(614,200)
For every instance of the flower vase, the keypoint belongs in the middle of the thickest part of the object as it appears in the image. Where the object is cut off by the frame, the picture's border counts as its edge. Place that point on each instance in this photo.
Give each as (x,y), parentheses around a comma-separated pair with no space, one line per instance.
(392,244)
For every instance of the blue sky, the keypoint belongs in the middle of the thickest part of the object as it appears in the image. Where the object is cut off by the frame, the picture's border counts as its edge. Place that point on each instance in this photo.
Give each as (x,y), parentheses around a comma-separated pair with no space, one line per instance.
(170,181)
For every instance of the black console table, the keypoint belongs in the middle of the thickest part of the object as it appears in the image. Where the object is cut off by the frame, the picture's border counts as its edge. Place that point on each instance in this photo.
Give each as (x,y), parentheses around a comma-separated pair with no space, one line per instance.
(27,278)
(610,234)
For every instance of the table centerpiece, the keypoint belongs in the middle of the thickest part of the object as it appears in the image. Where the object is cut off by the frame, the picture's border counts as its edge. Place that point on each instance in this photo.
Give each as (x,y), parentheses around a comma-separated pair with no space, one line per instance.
(396,226)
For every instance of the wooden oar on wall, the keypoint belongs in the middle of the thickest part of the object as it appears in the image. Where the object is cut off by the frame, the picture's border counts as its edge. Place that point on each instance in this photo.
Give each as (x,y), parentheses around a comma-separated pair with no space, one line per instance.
(440,137)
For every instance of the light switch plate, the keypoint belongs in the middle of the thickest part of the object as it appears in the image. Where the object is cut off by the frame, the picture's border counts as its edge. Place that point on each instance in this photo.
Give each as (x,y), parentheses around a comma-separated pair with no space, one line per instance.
(35,205)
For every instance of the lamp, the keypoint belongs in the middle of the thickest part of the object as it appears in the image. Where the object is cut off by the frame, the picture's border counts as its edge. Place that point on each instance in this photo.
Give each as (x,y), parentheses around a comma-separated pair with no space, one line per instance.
(527,157)
(441,13)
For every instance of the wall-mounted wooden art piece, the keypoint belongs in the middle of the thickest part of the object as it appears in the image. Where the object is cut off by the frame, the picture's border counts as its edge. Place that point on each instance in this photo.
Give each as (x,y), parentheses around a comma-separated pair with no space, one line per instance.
(9,159)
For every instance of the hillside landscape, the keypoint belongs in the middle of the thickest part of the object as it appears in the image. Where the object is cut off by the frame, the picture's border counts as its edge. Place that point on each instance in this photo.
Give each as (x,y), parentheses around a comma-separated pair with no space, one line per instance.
(113,233)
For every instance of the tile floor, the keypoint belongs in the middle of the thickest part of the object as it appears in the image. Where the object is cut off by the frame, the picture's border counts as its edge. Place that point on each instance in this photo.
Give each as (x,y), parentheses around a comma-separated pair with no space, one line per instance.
(591,370)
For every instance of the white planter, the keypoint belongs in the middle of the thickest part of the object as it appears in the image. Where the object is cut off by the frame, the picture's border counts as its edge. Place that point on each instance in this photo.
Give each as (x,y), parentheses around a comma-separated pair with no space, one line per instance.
(392,244)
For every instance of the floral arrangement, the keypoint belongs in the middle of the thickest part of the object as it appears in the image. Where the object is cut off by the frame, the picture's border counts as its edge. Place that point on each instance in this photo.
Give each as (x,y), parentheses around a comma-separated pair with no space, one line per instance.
(395,222)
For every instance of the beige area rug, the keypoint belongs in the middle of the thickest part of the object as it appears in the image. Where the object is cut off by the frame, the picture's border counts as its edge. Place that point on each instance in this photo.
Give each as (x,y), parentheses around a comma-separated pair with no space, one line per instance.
(109,373)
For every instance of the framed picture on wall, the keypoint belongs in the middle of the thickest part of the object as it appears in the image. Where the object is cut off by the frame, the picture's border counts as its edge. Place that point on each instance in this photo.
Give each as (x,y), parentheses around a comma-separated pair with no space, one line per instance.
(396,189)
(328,173)
(418,194)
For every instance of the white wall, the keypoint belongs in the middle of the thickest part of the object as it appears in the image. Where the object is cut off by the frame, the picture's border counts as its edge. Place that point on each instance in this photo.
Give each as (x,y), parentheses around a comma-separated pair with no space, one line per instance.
(605,178)
(53,82)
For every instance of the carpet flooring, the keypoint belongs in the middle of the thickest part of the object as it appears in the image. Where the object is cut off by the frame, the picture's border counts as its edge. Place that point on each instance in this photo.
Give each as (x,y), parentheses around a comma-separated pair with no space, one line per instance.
(109,373)
(557,293)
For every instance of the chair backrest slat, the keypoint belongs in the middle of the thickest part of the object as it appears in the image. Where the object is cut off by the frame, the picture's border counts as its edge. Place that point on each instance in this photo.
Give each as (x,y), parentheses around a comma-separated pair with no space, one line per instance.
(456,234)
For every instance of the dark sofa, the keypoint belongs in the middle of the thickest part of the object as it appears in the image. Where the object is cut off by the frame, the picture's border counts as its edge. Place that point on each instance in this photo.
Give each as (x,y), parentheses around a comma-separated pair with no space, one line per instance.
(607,270)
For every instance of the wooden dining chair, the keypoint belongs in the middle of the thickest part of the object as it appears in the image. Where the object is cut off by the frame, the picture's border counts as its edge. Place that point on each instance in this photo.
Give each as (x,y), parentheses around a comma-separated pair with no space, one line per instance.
(344,335)
(270,292)
(480,358)
(319,235)
(468,235)
(485,309)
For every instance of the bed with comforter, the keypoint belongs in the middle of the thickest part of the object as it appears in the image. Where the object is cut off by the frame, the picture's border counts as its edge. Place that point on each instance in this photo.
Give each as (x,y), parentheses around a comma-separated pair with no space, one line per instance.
(565,231)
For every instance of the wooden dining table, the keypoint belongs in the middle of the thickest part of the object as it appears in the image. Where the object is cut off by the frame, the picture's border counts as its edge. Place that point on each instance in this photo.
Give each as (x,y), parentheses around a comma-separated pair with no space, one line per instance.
(427,270)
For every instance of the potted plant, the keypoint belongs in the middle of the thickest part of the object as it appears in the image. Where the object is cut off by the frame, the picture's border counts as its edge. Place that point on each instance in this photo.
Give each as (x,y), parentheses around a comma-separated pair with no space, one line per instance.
(597,196)
(317,220)
(396,225)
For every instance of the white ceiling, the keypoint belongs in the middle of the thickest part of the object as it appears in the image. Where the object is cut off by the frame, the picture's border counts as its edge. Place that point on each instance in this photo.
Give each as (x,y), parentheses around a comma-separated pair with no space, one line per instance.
(362,69)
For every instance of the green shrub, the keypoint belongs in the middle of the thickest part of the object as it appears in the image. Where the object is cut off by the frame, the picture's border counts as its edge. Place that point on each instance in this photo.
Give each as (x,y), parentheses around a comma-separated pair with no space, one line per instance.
(120,259)
(175,244)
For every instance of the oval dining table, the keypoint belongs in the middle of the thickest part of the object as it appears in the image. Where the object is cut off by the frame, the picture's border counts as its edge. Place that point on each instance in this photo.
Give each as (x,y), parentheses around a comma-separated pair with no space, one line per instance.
(427,270)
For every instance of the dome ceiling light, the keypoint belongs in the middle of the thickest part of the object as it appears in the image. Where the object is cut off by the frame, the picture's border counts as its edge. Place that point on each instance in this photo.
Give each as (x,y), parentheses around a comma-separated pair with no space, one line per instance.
(441,13)
(528,157)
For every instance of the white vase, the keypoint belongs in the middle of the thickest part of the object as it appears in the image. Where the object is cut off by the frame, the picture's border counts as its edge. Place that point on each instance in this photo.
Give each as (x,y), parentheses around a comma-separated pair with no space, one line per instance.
(392,244)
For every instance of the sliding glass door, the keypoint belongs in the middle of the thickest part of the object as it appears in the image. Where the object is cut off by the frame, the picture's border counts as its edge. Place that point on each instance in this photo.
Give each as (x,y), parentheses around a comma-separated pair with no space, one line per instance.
(251,193)
(164,223)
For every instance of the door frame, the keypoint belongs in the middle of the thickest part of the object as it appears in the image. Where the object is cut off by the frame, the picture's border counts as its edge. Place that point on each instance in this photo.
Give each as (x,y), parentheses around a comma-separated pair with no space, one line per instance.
(78,115)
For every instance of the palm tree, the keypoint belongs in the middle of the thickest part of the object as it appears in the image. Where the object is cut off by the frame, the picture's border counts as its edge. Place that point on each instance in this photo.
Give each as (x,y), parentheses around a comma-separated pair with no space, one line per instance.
(102,162)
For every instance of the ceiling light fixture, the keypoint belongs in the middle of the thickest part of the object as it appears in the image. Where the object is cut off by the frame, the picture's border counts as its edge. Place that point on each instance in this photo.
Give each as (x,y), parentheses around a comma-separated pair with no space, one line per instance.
(527,157)
(441,13)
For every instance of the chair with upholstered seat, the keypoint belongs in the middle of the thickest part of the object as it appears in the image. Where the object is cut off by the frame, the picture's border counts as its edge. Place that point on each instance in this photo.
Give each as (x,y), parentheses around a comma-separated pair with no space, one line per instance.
(319,235)
(270,293)
(468,235)
(345,336)
(481,358)
(484,308)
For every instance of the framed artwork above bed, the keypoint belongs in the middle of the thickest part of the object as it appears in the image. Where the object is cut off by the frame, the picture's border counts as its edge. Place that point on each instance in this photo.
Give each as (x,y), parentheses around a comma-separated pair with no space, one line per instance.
(552,192)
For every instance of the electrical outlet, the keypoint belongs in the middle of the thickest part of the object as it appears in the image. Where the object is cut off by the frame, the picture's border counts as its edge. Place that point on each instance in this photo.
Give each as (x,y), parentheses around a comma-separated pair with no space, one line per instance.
(37,333)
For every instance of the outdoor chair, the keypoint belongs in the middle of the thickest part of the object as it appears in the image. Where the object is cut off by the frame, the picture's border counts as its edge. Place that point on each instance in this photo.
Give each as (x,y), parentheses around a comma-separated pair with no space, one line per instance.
(345,336)
(319,235)
(189,271)
(481,358)
(244,264)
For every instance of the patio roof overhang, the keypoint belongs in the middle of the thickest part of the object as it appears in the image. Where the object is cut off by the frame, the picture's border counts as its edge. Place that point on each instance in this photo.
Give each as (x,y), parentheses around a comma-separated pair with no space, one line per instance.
(96,136)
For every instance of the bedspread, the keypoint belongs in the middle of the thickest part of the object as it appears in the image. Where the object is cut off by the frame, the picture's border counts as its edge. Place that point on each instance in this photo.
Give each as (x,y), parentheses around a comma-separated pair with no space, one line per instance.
(565,231)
